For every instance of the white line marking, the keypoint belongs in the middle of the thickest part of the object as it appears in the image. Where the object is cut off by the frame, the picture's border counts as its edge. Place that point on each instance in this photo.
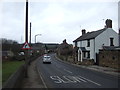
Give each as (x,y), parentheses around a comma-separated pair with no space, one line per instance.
(78,78)
(91,81)
(68,80)
(57,79)
(67,71)
(42,79)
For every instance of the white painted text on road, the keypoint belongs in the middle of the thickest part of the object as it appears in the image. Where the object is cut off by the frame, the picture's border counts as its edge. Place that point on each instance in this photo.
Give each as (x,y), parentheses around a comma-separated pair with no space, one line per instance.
(72,79)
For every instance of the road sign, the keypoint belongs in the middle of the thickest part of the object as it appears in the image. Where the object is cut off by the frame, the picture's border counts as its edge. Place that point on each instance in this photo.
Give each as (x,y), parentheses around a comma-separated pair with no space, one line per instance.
(26,46)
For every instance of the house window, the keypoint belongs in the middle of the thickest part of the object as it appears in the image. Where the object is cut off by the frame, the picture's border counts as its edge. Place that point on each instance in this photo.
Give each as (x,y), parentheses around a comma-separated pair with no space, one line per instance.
(88,43)
(75,44)
(88,54)
(111,41)
(84,54)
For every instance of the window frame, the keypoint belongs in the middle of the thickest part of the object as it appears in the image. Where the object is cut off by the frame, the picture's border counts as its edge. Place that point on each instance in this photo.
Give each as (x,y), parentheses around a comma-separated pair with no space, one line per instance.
(111,41)
(88,43)
(88,54)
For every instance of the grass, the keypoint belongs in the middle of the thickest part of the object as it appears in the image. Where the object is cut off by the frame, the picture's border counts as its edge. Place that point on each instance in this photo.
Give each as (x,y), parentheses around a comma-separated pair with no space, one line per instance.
(8,68)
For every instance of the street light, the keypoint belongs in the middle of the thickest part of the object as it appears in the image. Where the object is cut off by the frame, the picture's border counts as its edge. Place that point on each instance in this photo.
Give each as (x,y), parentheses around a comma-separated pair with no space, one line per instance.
(36,36)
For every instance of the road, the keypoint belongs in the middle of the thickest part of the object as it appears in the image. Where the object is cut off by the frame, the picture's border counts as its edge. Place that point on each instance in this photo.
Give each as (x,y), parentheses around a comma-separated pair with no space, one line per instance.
(62,75)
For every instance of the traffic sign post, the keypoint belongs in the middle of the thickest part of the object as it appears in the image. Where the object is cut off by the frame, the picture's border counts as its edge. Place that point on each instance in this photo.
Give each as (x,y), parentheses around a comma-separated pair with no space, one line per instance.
(26,46)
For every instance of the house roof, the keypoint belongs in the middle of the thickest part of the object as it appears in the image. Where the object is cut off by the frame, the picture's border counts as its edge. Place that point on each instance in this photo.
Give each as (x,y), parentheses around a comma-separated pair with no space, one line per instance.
(90,35)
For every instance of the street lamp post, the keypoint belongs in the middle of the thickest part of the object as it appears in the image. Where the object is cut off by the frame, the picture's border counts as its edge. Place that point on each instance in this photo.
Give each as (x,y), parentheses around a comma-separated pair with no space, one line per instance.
(36,36)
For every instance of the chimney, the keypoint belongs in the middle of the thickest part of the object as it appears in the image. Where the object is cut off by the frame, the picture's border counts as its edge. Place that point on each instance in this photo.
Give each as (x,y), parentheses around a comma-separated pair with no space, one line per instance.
(108,23)
(64,41)
(83,31)
(119,31)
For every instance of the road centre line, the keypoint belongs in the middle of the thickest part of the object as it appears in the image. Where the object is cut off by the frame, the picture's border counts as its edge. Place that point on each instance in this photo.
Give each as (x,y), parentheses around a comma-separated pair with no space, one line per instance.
(91,81)
(67,71)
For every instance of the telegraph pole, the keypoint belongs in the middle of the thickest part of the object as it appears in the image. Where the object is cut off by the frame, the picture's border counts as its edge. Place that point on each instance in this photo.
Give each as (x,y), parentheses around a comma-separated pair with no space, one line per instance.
(26,25)
(26,40)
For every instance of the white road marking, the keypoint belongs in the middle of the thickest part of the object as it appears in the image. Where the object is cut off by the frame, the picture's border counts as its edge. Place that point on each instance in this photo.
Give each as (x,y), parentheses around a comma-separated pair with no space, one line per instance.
(78,78)
(72,79)
(91,81)
(67,79)
(67,71)
(56,78)
(42,79)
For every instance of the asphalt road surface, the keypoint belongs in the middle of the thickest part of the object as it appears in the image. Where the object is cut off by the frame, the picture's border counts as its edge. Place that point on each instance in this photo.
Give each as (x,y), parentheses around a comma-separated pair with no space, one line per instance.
(62,75)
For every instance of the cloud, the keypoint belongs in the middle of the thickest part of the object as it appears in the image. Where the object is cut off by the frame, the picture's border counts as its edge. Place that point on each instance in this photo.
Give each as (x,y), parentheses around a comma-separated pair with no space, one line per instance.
(56,20)
(12,20)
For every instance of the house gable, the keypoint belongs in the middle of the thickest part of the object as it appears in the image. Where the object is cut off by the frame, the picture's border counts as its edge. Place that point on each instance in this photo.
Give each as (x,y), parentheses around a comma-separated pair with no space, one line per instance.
(104,39)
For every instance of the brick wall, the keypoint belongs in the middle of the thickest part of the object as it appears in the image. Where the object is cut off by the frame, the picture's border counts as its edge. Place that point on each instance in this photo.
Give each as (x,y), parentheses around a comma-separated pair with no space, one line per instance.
(110,58)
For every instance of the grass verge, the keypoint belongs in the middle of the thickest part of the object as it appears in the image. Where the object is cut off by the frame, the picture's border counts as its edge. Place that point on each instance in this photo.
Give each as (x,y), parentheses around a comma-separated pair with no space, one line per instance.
(8,68)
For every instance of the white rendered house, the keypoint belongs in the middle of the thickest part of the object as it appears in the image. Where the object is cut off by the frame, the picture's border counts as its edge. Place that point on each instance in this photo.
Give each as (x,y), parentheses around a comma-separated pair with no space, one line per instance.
(90,43)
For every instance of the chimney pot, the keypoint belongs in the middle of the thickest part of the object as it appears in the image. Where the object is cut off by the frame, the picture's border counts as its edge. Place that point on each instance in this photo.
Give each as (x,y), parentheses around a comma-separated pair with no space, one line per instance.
(83,31)
(64,41)
(108,23)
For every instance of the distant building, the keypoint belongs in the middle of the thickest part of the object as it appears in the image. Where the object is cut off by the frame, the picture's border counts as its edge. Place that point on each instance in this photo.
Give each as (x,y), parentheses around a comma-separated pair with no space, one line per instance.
(6,54)
(46,47)
(64,48)
(89,43)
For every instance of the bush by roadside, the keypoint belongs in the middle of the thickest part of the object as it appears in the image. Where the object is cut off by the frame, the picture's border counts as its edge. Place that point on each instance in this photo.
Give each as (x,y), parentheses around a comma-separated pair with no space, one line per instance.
(70,59)
(86,62)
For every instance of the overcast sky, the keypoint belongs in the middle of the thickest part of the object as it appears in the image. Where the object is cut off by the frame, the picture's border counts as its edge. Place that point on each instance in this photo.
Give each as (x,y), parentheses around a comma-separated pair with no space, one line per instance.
(56,20)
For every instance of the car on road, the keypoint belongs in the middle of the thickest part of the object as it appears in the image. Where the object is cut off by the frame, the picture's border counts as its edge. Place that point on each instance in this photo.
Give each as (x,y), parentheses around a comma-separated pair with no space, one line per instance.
(46,59)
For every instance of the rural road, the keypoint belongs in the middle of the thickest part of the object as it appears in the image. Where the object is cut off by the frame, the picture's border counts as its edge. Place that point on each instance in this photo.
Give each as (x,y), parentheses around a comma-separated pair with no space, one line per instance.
(62,75)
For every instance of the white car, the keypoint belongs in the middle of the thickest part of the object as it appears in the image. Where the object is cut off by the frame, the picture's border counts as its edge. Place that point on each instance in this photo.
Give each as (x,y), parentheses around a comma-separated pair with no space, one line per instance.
(46,59)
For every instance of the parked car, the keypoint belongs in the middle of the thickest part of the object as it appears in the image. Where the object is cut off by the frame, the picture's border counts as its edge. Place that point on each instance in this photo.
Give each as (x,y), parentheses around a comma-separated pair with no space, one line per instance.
(46,59)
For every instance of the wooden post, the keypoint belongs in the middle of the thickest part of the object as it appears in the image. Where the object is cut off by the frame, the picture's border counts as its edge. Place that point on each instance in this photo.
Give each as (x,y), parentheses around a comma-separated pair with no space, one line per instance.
(26,39)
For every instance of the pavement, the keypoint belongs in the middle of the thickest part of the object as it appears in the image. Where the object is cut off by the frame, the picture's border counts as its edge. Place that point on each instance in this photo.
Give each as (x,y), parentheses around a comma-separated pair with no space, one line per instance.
(35,80)
(107,70)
